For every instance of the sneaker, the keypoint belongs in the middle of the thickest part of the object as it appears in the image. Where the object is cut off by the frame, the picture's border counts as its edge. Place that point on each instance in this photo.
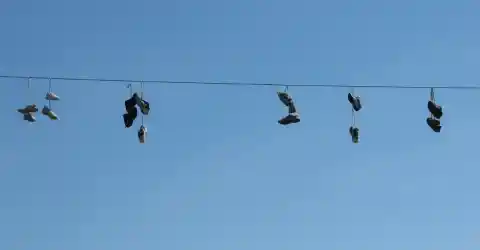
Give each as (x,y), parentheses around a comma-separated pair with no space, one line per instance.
(28,109)
(52,96)
(285,98)
(142,104)
(48,112)
(142,134)
(29,117)
(355,101)
(127,120)
(289,119)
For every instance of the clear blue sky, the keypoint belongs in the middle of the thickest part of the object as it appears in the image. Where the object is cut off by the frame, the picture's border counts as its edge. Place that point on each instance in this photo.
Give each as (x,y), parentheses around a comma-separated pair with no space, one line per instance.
(218,172)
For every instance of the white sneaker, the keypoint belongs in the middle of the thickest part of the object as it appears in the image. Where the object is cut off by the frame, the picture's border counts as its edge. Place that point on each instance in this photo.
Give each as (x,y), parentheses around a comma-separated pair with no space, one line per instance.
(52,96)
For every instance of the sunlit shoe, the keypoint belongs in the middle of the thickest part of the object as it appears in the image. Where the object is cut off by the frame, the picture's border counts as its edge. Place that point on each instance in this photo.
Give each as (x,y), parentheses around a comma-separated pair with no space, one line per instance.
(145,107)
(52,96)
(143,104)
(48,112)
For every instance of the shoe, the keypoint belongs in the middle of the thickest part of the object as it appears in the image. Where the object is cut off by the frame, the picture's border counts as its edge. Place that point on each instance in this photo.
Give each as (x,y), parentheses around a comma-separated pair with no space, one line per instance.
(142,134)
(29,117)
(28,109)
(48,112)
(127,120)
(435,109)
(52,96)
(355,101)
(289,119)
(144,105)
(131,102)
(434,124)
(354,133)
(285,98)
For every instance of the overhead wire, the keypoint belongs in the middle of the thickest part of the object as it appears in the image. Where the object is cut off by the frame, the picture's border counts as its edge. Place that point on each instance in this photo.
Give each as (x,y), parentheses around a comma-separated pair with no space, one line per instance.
(435,111)
(253,84)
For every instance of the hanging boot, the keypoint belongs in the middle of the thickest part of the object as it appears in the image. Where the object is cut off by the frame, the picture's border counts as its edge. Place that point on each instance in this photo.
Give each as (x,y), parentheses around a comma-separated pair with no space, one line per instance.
(142,134)
(355,101)
(290,119)
(50,96)
(435,109)
(285,98)
(434,124)
(29,117)
(130,116)
(127,121)
(131,102)
(28,109)
(131,111)
(48,112)
(354,133)
(144,105)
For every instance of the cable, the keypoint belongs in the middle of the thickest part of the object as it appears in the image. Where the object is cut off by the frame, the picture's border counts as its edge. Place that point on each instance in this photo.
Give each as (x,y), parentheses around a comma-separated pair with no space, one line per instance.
(465,87)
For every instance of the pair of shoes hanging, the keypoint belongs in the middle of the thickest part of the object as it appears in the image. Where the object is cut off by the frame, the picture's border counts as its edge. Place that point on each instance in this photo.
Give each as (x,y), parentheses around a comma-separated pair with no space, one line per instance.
(132,114)
(436,112)
(355,134)
(47,110)
(28,112)
(293,116)
(131,109)
(356,106)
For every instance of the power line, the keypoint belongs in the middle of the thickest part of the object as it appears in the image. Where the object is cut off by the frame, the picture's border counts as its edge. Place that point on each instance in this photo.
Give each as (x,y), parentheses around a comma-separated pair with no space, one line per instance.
(465,87)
